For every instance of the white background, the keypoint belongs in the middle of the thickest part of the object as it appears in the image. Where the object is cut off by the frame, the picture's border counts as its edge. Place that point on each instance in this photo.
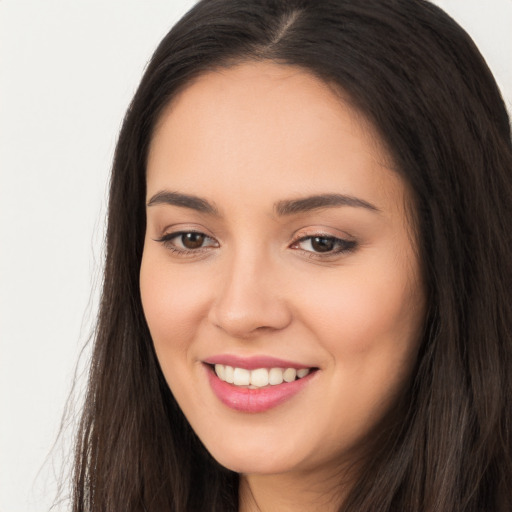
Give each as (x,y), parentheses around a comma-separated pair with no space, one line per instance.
(68,70)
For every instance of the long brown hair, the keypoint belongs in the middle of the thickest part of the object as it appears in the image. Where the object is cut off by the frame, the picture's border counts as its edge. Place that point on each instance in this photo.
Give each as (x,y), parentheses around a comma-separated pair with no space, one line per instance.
(414,73)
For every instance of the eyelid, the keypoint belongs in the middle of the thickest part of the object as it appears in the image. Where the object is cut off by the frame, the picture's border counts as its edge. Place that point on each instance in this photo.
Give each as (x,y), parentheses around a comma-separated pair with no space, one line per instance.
(319,231)
(179,228)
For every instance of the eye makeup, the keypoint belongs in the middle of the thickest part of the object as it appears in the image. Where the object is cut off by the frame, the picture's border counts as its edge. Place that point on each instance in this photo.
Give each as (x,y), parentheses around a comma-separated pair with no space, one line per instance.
(316,245)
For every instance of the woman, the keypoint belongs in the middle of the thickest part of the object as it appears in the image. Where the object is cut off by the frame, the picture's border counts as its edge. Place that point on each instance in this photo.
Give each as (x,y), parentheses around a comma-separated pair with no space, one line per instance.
(306,301)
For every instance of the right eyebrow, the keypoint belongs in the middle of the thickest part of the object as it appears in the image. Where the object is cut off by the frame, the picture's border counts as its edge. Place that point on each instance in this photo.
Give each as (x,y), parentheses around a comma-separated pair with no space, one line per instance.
(184,200)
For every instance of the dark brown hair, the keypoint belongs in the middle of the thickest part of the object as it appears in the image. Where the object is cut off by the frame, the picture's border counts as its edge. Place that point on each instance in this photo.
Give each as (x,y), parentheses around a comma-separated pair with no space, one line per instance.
(418,77)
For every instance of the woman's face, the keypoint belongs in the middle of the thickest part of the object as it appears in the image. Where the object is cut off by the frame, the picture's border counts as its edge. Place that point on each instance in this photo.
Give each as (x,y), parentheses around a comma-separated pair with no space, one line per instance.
(278,248)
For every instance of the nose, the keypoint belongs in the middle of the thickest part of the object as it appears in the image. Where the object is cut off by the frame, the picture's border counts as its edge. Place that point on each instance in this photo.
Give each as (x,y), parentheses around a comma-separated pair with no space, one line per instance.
(249,300)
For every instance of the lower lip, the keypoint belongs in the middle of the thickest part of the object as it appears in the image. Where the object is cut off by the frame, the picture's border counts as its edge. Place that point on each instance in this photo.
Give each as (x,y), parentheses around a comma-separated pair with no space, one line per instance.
(255,400)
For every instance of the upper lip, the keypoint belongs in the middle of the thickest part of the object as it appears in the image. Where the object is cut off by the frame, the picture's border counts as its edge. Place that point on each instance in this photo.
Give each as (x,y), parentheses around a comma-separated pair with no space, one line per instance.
(253,362)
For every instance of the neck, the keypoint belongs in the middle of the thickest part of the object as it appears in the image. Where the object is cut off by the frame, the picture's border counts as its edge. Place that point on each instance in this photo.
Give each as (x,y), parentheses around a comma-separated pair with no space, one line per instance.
(304,492)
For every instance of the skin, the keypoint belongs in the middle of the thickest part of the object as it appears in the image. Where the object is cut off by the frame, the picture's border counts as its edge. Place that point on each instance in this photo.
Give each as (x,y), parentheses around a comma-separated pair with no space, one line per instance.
(244,139)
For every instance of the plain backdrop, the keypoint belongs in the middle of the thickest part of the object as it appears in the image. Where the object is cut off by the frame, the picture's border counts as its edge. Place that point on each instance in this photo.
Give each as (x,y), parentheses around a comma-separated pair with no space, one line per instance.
(68,70)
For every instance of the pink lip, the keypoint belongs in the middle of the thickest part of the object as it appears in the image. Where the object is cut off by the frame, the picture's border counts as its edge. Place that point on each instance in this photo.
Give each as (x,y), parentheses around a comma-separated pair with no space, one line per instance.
(256,400)
(254,362)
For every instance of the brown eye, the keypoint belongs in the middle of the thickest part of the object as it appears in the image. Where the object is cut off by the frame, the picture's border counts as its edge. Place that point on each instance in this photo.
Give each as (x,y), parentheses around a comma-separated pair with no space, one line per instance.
(184,243)
(192,240)
(323,243)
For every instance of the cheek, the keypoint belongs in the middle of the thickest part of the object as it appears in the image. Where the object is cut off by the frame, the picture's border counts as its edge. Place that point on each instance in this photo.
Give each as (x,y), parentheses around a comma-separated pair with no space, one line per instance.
(174,303)
(370,327)
(374,314)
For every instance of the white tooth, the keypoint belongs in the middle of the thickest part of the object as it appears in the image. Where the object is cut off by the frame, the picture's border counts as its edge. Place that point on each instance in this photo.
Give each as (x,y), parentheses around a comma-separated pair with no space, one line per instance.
(228,374)
(259,377)
(289,374)
(241,377)
(275,376)
(302,372)
(219,370)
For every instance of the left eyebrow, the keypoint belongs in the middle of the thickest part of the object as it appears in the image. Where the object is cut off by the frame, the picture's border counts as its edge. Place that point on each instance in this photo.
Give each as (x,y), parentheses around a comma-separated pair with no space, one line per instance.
(316,202)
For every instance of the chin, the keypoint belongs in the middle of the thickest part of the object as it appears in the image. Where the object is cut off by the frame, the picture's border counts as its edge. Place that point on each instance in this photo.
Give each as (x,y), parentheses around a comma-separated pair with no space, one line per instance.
(254,466)
(255,459)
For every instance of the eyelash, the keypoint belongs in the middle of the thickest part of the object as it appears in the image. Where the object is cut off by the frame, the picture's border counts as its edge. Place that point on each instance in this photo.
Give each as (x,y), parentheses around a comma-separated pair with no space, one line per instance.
(343,245)
(167,239)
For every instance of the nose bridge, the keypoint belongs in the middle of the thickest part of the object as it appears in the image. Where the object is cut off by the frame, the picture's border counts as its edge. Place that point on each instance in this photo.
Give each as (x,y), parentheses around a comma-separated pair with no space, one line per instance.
(249,299)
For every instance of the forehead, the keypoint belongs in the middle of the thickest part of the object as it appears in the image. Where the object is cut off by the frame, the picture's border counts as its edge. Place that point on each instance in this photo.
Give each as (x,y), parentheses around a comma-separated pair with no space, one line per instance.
(274,128)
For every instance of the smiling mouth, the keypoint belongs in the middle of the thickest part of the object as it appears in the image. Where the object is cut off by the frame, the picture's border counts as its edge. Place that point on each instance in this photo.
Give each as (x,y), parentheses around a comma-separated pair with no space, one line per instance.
(259,377)
(257,389)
